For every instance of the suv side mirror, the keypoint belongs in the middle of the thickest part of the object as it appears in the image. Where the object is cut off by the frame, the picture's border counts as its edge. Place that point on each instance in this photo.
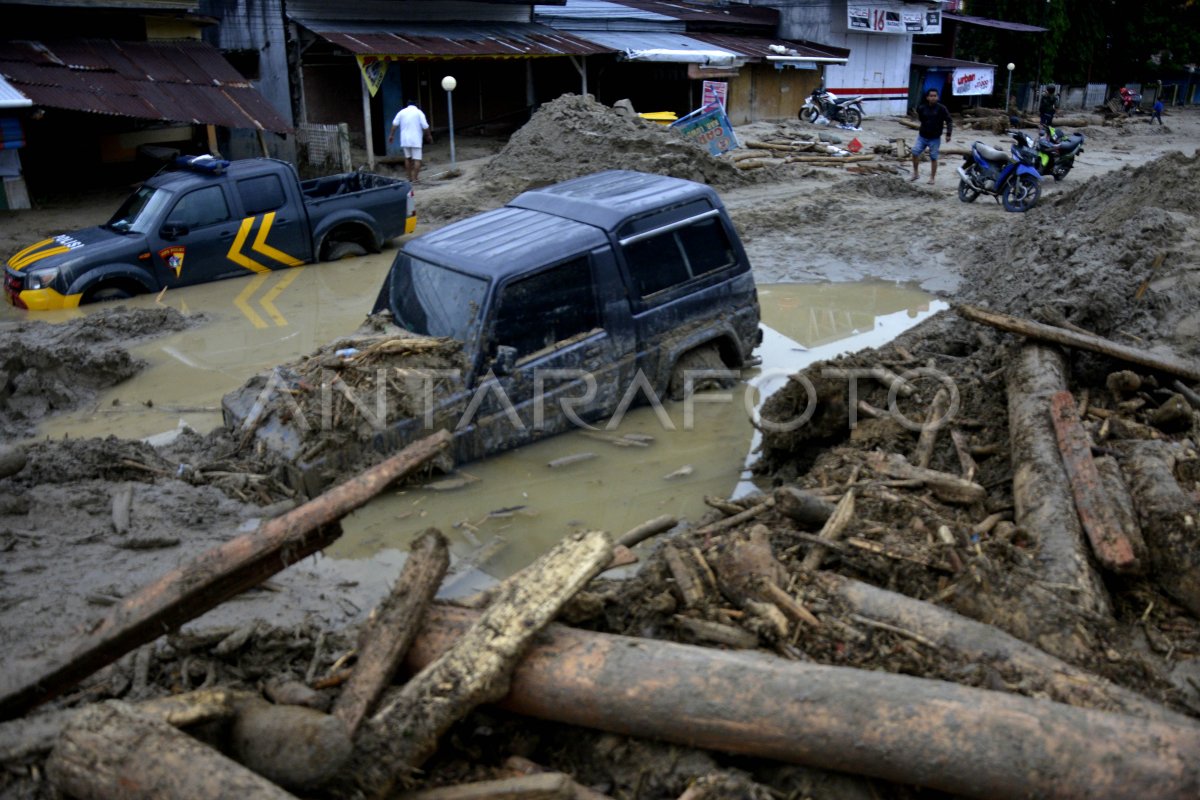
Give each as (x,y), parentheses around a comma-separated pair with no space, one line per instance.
(173,230)
(505,361)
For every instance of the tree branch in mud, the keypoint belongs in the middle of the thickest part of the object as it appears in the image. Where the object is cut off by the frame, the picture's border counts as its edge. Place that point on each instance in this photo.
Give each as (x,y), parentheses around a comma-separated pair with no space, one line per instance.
(969,742)
(1082,341)
(475,670)
(391,627)
(210,579)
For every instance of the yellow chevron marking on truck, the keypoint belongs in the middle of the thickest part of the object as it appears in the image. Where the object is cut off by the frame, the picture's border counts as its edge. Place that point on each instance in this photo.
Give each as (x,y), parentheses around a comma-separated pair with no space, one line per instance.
(12,262)
(235,249)
(21,263)
(260,243)
(268,300)
(242,304)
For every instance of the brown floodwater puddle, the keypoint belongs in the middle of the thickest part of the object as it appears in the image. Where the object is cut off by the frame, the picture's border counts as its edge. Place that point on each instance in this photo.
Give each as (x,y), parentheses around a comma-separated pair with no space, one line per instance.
(500,513)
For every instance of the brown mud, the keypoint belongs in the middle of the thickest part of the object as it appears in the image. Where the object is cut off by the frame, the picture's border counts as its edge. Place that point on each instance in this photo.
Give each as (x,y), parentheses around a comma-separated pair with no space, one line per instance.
(1112,250)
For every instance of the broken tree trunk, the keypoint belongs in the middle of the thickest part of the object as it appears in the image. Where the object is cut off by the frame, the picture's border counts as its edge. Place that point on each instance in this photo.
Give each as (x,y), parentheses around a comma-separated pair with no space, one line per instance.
(110,752)
(1083,341)
(1112,548)
(986,644)
(802,507)
(937,417)
(475,670)
(832,530)
(1168,516)
(391,627)
(969,742)
(947,487)
(1041,491)
(210,579)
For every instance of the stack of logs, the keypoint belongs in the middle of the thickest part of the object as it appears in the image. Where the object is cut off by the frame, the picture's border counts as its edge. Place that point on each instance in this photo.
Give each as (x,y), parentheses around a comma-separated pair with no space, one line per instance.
(795,151)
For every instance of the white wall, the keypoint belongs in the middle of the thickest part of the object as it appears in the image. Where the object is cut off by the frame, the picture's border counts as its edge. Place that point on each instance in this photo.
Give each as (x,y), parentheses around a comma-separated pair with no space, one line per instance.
(879,63)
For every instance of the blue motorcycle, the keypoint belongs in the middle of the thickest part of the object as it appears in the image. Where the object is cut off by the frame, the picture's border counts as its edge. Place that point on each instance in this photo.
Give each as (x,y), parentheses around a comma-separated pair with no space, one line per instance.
(1011,179)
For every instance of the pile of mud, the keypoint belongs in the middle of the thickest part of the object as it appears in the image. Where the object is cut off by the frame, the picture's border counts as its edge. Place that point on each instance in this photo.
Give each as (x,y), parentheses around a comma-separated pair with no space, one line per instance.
(574,136)
(50,368)
(1116,254)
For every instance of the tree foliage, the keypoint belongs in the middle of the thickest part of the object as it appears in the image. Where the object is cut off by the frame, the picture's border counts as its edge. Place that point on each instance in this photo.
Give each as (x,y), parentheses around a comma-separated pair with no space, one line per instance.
(1110,41)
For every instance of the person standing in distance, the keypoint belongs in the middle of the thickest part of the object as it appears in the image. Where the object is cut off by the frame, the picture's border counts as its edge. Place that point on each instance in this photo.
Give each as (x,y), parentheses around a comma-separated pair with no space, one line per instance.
(413,127)
(1048,107)
(933,117)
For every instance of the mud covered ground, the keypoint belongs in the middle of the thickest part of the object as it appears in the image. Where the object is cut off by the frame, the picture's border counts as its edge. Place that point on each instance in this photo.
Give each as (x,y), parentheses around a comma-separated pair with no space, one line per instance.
(1112,249)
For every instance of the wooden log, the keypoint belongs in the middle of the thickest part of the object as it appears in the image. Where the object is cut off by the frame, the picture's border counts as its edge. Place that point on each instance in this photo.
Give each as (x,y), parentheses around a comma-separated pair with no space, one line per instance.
(538,786)
(391,627)
(947,487)
(12,460)
(977,642)
(35,735)
(405,731)
(1121,505)
(963,450)
(934,422)
(110,752)
(208,580)
(724,506)
(1096,344)
(687,579)
(523,766)
(652,527)
(1041,491)
(1112,548)
(736,519)
(968,742)
(296,747)
(802,507)
(1168,517)
(832,530)
(717,632)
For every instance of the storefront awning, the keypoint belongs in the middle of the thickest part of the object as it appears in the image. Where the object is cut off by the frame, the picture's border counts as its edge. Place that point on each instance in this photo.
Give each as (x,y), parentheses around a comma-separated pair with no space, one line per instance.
(177,81)
(10,97)
(763,48)
(937,62)
(663,46)
(443,40)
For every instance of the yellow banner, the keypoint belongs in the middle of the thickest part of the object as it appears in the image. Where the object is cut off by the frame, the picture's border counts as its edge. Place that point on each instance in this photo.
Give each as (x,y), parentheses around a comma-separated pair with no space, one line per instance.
(373,69)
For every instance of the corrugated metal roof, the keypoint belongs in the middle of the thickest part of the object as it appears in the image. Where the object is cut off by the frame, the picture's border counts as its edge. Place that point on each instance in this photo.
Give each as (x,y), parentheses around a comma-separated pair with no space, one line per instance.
(10,97)
(632,42)
(468,40)
(759,47)
(939,61)
(1019,27)
(712,14)
(603,12)
(183,81)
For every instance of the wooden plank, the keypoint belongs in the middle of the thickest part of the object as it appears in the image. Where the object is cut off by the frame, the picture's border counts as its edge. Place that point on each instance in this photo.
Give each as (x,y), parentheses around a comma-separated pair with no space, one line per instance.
(1111,547)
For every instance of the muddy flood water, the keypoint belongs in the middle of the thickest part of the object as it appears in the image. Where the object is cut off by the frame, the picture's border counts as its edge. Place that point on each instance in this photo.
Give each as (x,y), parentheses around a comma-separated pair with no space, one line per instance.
(498,514)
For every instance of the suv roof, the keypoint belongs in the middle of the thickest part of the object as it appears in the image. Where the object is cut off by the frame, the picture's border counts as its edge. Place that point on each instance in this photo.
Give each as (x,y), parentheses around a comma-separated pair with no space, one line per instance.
(505,241)
(606,199)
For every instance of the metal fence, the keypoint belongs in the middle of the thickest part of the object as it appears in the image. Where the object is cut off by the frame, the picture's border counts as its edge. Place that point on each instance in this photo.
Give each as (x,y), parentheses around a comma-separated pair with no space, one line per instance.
(322,149)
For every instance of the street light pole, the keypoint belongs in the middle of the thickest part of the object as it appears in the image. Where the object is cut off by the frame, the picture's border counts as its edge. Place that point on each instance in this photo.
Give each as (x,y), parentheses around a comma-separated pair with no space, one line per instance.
(448,83)
(1008,88)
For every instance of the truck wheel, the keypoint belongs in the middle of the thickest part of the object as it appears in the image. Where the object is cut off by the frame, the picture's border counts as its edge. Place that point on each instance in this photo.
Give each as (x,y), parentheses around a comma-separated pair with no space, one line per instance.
(336,251)
(705,357)
(105,293)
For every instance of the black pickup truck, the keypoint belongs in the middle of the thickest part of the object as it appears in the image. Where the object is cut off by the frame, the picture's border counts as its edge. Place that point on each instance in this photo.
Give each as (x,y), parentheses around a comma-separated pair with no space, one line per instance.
(571,302)
(209,219)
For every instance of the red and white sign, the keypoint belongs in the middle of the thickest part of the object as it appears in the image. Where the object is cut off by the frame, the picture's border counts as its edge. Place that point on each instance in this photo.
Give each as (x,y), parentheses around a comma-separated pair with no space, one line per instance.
(715,92)
(973,80)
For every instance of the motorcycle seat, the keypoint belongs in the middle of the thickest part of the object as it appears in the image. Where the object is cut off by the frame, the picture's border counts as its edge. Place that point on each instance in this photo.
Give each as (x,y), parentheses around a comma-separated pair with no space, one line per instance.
(990,153)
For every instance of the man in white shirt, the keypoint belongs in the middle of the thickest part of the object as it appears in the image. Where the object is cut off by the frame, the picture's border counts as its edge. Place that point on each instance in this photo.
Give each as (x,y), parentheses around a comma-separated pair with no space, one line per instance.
(411,122)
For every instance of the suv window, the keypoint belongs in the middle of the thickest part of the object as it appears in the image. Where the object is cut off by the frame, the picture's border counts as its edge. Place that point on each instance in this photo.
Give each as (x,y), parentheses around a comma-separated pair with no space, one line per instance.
(264,193)
(202,207)
(542,310)
(678,255)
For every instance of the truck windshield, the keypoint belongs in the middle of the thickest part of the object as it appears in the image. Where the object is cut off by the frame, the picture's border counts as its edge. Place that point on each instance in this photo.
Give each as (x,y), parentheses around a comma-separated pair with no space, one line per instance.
(138,212)
(435,301)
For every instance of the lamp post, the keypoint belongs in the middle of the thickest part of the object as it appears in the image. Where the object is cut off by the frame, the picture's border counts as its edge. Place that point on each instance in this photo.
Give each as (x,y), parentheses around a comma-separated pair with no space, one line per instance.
(1008,88)
(448,83)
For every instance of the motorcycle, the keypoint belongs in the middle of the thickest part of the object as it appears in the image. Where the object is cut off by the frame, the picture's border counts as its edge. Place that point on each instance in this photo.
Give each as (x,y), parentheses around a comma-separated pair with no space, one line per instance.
(1131,102)
(839,110)
(1011,179)
(1056,154)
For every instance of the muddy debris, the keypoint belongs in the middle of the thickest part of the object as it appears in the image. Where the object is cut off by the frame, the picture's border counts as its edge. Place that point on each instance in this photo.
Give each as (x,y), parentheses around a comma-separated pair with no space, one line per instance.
(51,368)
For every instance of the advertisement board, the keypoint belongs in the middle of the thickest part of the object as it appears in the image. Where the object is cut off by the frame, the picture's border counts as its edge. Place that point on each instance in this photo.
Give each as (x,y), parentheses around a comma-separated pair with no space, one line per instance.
(973,80)
(891,19)
(710,127)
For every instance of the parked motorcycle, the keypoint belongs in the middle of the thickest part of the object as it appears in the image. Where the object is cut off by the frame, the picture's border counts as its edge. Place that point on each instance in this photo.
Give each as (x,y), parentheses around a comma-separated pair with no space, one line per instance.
(839,110)
(1011,178)
(1056,153)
